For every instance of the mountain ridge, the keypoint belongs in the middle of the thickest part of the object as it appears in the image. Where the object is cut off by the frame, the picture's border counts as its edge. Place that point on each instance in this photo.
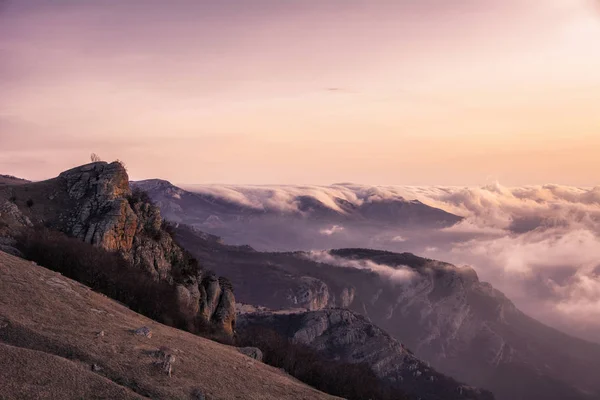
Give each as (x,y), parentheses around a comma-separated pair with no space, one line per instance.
(463,327)
(307,206)
(94,206)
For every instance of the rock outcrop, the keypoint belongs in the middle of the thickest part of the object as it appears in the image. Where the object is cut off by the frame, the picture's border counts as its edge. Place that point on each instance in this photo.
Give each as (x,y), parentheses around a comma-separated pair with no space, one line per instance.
(95,204)
(10,215)
(101,213)
(310,293)
(104,212)
(252,352)
(344,335)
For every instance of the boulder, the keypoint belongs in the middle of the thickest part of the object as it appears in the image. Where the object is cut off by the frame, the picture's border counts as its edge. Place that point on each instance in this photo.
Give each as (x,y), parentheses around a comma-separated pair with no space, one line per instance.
(252,352)
(143,331)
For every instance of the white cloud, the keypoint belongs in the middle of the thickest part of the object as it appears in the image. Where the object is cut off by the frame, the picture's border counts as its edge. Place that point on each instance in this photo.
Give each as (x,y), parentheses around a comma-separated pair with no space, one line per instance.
(331,231)
(397,275)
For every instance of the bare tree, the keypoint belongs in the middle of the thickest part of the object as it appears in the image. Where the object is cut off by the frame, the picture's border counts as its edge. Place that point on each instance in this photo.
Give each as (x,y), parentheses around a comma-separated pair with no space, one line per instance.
(95,157)
(122,164)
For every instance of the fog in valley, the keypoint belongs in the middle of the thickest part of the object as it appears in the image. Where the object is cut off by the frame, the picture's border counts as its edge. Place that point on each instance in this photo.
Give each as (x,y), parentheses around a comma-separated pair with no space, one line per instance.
(540,245)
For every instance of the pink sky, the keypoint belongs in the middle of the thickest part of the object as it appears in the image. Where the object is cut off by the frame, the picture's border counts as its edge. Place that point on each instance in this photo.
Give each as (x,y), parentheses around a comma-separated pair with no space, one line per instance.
(380,92)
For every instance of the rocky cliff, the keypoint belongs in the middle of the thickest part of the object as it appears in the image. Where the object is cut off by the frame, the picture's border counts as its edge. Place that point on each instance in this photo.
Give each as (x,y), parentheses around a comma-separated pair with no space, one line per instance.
(95,204)
(344,335)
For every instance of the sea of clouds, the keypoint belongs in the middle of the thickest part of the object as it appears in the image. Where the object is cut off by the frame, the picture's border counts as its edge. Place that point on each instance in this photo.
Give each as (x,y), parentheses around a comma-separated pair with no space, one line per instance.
(540,245)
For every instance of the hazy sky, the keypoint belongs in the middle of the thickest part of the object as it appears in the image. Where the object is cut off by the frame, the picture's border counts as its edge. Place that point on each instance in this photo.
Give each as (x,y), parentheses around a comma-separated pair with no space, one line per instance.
(449,92)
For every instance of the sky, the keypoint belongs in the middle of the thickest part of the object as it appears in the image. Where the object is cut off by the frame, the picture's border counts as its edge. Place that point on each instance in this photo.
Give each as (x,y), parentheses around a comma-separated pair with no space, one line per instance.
(403,92)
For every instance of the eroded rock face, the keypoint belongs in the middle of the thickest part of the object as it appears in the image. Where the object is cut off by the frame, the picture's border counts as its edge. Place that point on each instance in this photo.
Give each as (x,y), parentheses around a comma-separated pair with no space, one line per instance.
(347,297)
(10,215)
(103,211)
(310,293)
(101,214)
(211,299)
(224,315)
(189,296)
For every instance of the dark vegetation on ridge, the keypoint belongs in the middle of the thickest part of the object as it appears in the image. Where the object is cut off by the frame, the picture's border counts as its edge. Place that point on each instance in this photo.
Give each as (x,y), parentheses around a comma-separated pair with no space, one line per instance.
(350,381)
(105,272)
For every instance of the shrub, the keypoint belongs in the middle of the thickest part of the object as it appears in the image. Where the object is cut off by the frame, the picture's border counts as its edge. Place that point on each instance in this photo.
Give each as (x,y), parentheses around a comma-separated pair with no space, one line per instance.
(139,196)
(29,203)
(169,228)
(122,164)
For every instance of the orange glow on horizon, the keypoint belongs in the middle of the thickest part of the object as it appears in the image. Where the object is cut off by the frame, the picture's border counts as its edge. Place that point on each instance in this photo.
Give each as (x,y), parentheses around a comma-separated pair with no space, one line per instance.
(401,93)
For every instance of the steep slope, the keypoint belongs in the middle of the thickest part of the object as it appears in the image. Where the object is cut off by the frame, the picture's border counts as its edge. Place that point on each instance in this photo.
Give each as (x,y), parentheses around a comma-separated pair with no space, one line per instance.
(95,204)
(470,330)
(51,346)
(463,327)
(343,335)
(35,375)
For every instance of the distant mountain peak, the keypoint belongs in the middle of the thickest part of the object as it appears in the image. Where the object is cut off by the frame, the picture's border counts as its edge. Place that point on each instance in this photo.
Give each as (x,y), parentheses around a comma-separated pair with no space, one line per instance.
(153,183)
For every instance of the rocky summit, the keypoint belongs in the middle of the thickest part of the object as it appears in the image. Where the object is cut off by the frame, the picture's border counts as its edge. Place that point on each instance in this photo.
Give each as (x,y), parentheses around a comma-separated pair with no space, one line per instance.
(95,204)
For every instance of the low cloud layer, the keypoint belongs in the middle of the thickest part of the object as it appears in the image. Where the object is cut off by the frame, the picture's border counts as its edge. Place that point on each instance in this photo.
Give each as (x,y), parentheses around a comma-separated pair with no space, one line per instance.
(396,275)
(538,244)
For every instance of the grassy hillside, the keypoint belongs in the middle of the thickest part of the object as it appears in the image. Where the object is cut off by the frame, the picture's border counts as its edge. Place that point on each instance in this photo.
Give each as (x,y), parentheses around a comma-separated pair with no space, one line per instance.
(49,323)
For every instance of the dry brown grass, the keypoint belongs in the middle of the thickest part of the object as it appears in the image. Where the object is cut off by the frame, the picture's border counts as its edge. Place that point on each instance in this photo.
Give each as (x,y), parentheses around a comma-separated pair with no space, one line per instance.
(40,201)
(30,374)
(51,325)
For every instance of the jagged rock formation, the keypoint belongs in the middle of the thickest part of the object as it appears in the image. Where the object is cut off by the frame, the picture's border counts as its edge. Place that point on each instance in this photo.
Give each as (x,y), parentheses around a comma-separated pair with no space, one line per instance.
(344,335)
(310,293)
(95,204)
(104,213)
